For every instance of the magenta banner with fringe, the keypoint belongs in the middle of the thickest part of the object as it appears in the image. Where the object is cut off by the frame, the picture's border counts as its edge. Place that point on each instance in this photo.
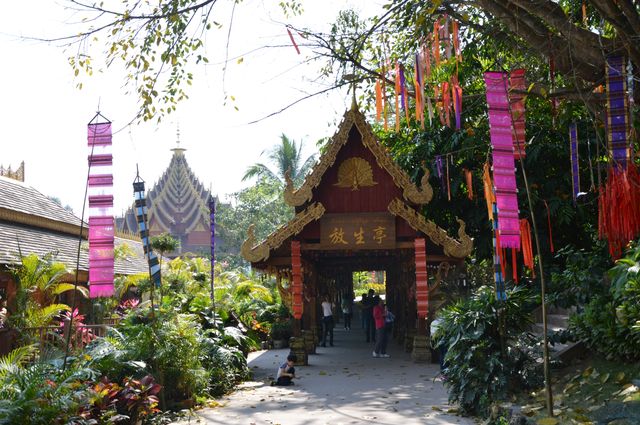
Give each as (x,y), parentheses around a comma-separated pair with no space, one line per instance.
(504,176)
(101,226)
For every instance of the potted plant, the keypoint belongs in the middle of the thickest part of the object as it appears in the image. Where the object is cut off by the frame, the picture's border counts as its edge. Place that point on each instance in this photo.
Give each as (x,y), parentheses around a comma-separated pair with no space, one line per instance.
(280,333)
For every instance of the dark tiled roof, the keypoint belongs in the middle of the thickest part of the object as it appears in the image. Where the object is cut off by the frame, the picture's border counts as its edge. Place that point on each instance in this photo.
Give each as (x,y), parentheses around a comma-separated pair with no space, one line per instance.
(64,247)
(17,196)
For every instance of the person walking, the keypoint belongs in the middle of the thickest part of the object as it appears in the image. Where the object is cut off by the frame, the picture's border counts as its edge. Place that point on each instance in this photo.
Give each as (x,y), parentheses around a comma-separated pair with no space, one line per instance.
(327,321)
(379,316)
(347,309)
(367,312)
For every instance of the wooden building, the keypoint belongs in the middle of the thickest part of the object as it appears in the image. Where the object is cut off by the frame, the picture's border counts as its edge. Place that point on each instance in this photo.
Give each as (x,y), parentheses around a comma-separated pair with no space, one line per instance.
(32,223)
(358,210)
(178,205)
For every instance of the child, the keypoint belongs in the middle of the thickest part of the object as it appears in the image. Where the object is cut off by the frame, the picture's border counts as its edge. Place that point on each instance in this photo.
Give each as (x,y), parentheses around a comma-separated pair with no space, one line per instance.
(287,372)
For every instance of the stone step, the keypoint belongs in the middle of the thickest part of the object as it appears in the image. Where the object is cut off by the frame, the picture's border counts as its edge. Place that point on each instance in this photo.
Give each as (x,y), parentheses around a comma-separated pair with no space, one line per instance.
(558,320)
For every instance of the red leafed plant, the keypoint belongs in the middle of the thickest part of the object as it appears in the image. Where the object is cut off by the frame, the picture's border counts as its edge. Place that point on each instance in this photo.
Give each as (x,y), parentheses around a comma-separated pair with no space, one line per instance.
(139,397)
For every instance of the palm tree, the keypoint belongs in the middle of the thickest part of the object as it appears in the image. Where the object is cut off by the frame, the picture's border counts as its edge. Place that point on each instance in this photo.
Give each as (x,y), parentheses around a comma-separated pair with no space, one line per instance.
(285,156)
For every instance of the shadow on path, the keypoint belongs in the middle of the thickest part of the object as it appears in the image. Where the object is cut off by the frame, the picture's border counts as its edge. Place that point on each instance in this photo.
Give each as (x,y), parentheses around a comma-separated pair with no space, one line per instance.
(342,385)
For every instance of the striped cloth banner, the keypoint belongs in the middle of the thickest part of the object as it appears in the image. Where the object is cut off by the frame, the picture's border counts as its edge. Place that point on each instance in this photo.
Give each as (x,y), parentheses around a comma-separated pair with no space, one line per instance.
(101,225)
(422,282)
(575,170)
(497,268)
(517,82)
(296,284)
(141,218)
(617,112)
(504,176)
(212,226)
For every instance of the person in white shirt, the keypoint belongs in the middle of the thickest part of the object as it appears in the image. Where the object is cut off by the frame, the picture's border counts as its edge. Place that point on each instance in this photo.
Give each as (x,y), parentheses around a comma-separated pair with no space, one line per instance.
(327,321)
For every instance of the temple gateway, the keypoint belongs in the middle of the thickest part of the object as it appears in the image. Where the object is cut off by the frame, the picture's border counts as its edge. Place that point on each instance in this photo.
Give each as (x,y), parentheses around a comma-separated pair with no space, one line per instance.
(358,210)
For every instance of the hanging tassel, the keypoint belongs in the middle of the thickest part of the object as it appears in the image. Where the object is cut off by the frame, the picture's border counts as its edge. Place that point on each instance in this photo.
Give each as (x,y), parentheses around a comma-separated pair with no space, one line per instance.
(446,101)
(514,265)
(549,224)
(527,248)
(385,104)
(497,268)
(456,43)
(500,250)
(456,94)
(468,176)
(448,181)
(430,111)
(446,37)
(575,170)
(489,196)
(397,97)
(436,42)
(585,20)
(405,96)
(293,41)
(378,101)
(440,172)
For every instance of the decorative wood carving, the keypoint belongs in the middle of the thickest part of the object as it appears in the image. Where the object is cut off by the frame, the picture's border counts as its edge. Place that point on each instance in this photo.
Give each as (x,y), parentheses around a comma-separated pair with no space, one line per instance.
(353,117)
(355,173)
(452,247)
(254,252)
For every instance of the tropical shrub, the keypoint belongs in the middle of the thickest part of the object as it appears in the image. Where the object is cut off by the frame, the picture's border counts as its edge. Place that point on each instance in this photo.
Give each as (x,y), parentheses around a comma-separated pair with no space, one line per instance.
(40,393)
(609,322)
(490,350)
(581,278)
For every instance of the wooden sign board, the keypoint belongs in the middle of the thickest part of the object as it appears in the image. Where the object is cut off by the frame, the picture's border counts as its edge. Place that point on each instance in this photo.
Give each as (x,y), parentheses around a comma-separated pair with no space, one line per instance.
(358,231)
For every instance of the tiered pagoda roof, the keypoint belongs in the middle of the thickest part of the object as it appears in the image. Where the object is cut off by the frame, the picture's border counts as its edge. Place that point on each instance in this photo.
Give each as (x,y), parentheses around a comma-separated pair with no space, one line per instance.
(178,205)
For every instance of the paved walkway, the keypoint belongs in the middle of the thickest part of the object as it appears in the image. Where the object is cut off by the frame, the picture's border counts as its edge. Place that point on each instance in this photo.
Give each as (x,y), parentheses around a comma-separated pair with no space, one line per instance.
(342,385)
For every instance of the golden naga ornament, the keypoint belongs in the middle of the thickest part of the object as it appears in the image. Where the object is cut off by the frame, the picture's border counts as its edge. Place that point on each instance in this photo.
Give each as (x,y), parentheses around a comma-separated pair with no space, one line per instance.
(355,173)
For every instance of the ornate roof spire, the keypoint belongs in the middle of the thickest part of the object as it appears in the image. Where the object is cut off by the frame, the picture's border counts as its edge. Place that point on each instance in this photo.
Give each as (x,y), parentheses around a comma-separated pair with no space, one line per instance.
(178,150)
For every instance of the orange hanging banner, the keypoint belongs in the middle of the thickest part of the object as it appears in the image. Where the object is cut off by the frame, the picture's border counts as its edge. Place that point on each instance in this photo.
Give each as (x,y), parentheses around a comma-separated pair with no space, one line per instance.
(527,249)
(489,196)
(468,176)
(436,42)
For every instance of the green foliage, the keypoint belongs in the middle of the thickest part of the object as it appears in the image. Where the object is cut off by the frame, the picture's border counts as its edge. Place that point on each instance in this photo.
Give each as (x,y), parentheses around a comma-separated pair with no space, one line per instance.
(490,351)
(164,243)
(282,330)
(609,322)
(40,393)
(286,157)
(260,204)
(581,278)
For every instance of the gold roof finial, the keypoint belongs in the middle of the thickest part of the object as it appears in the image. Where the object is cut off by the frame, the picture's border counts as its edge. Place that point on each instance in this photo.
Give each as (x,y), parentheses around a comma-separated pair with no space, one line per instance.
(178,149)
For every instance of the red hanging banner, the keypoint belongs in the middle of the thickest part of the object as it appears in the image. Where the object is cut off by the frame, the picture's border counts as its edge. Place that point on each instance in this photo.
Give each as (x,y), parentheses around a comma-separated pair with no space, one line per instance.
(422,282)
(296,284)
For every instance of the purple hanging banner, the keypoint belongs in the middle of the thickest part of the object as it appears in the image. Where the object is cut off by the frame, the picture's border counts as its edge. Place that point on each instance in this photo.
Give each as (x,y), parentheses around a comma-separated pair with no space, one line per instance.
(504,176)
(575,171)
(440,171)
(617,112)
(212,225)
(101,226)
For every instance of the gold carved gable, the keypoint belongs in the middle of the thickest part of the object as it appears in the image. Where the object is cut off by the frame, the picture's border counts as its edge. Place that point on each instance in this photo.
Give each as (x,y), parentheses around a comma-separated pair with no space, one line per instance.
(297,197)
(454,248)
(253,251)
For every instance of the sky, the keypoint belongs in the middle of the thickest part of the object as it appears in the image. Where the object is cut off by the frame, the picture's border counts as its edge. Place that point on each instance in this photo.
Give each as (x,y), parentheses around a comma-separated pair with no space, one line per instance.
(43,115)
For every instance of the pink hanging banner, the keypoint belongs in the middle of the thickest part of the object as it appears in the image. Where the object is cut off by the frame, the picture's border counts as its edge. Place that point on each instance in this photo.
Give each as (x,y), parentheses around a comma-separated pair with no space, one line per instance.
(101,226)
(504,176)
